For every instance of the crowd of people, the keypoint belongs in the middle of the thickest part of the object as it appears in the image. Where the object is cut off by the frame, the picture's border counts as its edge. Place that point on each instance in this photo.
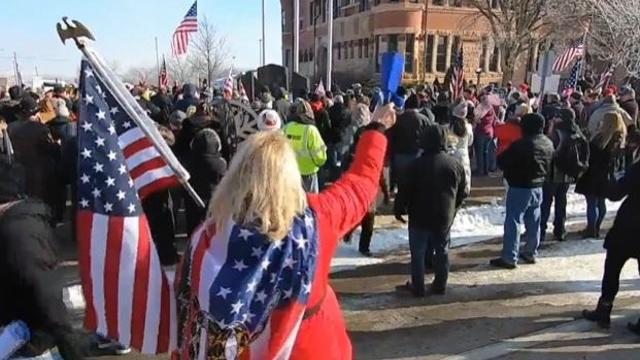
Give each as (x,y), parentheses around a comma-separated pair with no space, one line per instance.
(432,145)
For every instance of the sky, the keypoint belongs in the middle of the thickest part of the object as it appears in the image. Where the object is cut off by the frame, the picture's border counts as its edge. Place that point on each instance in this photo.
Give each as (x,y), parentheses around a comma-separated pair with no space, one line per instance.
(125,31)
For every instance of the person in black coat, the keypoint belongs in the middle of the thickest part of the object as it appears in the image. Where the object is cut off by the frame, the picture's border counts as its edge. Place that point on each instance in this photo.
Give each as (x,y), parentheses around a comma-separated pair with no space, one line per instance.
(526,165)
(29,291)
(64,134)
(605,148)
(621,244)
(199,148)
(189,98)
(431,193)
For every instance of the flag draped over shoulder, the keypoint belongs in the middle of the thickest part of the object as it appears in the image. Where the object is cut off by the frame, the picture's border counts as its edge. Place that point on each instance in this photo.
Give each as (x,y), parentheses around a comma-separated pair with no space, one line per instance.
(128,296)
(242,295)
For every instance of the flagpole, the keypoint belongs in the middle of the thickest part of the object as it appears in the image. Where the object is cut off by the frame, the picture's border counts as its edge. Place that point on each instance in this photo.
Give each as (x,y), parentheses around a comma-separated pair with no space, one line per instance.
(329,44)
(158,63)
(296,35)
(264,61)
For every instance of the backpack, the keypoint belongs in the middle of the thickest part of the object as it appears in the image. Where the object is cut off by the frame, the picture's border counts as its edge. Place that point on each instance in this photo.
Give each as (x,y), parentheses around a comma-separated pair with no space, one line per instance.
(572,157)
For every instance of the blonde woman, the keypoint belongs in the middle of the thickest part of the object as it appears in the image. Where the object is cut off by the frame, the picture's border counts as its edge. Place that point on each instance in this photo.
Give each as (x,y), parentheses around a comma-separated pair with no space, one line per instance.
(255,284)
(605,147)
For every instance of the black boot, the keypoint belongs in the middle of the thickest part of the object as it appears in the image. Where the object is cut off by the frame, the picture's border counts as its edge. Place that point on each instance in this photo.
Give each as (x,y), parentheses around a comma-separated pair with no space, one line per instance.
(601,315)
(589,233)
(635,328)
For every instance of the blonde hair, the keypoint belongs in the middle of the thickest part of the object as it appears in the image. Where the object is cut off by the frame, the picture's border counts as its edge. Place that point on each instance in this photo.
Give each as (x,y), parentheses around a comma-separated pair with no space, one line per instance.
(612,129)
(262,187)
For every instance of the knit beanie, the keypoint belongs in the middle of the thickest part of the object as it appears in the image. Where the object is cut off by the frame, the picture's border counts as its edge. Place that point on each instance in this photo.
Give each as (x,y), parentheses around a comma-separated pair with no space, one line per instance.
(269,120)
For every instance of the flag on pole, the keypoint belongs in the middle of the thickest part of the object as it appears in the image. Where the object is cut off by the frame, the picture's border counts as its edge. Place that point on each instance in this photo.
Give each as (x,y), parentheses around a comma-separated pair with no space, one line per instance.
(573,51)
(605,78)
(188,26)
(164,76)
(241,91)
(227,88)
(572,82)
(456,82)
(128,296)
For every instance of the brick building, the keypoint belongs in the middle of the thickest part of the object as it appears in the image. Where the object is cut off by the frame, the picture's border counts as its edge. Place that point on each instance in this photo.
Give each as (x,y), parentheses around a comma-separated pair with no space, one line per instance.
(426,31)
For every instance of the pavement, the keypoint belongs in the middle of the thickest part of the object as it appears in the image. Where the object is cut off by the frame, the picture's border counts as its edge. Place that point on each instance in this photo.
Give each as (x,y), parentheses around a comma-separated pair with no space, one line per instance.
(532,312)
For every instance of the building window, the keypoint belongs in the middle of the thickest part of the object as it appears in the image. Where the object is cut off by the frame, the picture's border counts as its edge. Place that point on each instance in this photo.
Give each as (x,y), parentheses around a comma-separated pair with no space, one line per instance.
(287,56)
(312,12)
(409,51)
(483,55)
(342,29)
(493,63)
(441,55)
(346,50)
(360,49)
(392,42)
(311,53)
(339,51)
(352,49)
(429,53)
(377,53)
(324,10)
(366,48)
(454,48)
(305,57)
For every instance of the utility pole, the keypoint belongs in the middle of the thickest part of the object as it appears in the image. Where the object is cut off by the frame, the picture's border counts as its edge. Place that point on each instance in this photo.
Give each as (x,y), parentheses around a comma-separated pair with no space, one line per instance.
(264,60)
(260,52)
(296,35)
(157,63)
(329,43)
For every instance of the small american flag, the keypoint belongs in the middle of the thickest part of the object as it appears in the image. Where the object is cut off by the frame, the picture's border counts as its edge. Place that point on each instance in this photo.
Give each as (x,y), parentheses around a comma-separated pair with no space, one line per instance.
(605,78)
(573,51)
(128,296)
(164,76)
(241,91)
(188,26)
(248,287)
(227,88)
(572,82)
(456,84)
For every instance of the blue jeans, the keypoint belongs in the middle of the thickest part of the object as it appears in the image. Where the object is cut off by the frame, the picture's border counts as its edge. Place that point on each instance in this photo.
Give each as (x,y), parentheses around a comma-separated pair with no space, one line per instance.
(522,205)
(419,241)
(310,183)
(400,163)
(549,193)
(596,211)
(481,143)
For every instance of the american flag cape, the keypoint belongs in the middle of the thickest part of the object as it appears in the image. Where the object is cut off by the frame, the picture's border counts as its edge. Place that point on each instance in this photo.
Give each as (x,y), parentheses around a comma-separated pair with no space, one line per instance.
(572,82)
(573,51)
(239,288)
(128,297)
(456,83)
(182,34)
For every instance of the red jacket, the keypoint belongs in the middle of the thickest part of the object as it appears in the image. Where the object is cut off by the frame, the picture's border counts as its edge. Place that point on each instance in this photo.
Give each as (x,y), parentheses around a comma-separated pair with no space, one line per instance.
(507,134)
(338,209)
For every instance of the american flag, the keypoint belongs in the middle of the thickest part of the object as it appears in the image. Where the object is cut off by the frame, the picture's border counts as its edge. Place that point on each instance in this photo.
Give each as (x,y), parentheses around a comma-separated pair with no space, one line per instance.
(605,78)
(227,88)
(241,91)
(572,82)
(247,286)
(164,76)
(183,32)
(128,296)
(573,51)
(456,83)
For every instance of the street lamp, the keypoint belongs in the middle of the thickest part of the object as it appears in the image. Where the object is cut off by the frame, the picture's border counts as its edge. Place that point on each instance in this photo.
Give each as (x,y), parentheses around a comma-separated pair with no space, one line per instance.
(478,73)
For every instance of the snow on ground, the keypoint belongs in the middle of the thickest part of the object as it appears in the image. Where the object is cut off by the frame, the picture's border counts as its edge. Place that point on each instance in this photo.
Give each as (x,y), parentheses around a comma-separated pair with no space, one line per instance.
(472,224)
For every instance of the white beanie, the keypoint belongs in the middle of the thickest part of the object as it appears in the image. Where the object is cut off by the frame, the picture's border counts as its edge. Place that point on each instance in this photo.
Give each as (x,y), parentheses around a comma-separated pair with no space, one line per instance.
(460,110)
(60,107)
(269,120)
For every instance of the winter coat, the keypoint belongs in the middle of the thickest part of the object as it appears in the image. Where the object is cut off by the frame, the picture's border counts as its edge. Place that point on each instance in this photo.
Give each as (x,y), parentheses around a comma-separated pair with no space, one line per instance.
(485,125)
(9,110)
(64,132)
(526,162)
(322,120)
(579,109)
(36,151)
(441,114)
(623,236)
(557,176)
(434,187)
(282,106)
(602,162)
(406,135)
(304,137)
(189,92)
(548,112)
(608,105)
(459,148)
(507,134)
(29,291)
(340,119)
(631,107)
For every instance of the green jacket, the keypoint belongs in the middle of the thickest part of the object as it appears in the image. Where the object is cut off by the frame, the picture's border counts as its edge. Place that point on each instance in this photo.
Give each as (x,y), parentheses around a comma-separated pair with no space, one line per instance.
(310,149)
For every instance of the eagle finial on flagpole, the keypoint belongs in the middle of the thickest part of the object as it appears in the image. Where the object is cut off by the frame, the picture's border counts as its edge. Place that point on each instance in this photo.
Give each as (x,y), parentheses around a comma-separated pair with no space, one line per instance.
(76,31)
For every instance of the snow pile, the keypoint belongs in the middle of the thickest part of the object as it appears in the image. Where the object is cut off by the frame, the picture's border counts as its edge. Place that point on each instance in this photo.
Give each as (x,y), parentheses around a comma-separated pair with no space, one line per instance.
(472,224)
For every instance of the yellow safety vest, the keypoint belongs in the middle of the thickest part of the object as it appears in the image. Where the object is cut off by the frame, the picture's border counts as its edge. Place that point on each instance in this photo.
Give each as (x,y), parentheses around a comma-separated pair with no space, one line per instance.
(308,145)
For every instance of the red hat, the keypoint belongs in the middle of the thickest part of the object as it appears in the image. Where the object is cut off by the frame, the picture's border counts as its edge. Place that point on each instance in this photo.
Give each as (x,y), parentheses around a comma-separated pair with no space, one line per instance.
(523,87)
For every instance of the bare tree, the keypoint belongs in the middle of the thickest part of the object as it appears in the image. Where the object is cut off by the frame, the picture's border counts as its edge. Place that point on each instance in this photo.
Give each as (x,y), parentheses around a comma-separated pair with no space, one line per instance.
(516,25)
(135,75)
(180,70)
(210,52)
